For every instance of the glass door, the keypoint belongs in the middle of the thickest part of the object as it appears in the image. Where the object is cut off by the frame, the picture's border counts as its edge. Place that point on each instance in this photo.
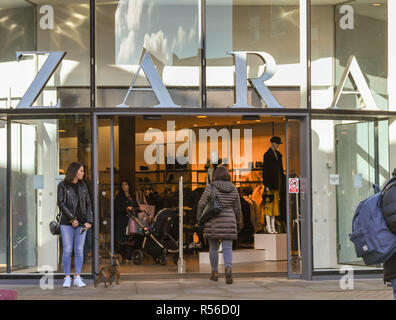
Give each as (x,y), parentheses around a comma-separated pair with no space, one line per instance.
(41,151)
(108,177)
(3,196)
(24,196)
(361,162)
(294,216)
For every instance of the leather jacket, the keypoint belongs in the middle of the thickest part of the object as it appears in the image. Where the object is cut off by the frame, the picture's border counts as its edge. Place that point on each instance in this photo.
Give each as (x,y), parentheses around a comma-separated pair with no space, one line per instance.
(68,207)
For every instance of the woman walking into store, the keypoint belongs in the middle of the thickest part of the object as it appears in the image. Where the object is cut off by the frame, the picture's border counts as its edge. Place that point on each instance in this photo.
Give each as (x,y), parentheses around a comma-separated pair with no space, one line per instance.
(223,228)
(74,203)
(125,200)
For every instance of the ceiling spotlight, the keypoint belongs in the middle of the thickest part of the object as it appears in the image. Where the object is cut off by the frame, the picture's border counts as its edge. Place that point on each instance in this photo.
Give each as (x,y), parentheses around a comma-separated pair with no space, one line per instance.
(251,117)
(377,4)
(152,117)
(202,117)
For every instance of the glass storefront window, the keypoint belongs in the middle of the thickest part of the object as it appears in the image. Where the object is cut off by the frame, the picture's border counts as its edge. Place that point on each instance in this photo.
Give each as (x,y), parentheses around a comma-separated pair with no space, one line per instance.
(41,151)
(45,26)
(3,195)
(261,26)
(350,68)
(348,157)
(168,30)
(160,152)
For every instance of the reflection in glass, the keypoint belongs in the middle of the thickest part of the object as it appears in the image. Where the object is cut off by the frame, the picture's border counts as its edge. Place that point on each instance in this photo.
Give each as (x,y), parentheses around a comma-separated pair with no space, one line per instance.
(339,32)
(168,30)
(268,26)
(23,27)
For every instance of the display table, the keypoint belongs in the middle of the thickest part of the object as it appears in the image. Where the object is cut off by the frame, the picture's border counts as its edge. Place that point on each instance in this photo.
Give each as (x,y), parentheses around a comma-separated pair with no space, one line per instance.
(275,245)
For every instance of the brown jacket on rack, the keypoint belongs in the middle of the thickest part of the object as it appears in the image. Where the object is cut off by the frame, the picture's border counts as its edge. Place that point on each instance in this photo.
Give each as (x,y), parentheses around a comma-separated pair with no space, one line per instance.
(257,197)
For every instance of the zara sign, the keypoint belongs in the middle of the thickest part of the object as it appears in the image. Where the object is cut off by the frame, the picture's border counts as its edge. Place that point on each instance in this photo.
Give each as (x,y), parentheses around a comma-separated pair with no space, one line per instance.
(352,71)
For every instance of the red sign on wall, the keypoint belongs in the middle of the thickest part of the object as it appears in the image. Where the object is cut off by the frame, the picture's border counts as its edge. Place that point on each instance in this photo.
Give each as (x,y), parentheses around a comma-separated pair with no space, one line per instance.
(294,185)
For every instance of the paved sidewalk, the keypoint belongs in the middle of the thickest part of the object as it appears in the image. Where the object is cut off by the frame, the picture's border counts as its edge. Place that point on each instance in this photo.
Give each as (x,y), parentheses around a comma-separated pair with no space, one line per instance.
(202,289)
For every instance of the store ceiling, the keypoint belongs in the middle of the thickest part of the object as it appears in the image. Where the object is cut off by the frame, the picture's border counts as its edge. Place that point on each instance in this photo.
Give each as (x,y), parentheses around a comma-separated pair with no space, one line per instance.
(210,121)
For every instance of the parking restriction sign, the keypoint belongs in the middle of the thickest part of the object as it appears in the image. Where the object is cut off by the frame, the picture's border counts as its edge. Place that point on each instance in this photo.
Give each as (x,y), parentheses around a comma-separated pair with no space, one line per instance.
(294,185)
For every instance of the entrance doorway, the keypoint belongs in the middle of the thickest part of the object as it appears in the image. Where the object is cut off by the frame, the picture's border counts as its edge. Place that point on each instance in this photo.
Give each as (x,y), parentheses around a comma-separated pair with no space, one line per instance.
(139,149)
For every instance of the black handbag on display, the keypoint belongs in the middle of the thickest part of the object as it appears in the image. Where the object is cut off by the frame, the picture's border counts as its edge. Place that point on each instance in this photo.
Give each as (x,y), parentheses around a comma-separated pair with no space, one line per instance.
(211,210)
(54,225)
(267,198)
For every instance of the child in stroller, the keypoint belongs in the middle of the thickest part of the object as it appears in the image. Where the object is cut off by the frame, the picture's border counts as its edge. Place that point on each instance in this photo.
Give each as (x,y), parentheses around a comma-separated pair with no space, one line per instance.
(136,231)
(157,238)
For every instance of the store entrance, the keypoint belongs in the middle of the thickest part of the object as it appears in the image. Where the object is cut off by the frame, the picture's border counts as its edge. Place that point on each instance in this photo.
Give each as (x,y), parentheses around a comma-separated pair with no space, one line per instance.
(151,154)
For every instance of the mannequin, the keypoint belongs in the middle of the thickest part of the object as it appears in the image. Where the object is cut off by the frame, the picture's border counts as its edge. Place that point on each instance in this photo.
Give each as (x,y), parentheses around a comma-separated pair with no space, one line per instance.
(272,175)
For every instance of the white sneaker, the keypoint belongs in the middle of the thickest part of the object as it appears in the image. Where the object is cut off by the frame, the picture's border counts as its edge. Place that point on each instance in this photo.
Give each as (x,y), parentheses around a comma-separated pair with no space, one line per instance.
(67,282)
(78,282)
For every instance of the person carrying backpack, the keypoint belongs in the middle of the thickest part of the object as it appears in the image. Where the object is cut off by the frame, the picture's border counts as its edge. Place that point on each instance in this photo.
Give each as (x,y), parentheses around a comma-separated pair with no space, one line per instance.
(389,211)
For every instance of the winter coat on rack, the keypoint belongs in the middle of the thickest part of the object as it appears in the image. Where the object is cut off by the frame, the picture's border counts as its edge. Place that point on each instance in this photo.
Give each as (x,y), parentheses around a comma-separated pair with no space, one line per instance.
(272,169)
(225,226)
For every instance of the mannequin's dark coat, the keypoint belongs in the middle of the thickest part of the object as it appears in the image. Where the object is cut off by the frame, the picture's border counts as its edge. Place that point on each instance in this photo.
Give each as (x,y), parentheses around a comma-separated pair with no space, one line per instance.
(272,169)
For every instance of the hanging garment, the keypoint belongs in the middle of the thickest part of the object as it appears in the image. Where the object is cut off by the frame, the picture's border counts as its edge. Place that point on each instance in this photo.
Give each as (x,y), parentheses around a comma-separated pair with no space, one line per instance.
(257,198)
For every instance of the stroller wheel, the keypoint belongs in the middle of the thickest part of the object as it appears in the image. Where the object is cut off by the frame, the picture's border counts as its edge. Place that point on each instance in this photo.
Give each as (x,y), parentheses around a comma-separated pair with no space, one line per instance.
(137,256)
(162,261)
(176,258)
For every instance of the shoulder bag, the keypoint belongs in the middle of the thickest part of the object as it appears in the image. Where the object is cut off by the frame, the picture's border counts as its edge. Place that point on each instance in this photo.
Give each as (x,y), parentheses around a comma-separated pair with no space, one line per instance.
(211,210)
(54,225)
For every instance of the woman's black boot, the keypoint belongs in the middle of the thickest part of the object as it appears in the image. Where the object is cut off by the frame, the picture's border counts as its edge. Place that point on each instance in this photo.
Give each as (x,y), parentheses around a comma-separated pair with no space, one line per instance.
(228,275)
(214,276)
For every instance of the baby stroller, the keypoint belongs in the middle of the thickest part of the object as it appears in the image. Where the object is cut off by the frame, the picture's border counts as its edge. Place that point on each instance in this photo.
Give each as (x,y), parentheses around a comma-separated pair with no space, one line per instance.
(158,239)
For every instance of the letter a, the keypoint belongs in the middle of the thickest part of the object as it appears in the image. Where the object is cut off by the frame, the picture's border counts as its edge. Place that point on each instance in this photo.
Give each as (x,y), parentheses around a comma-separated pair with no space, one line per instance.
(165,100)
(347,21)
(361,87)
(47,21)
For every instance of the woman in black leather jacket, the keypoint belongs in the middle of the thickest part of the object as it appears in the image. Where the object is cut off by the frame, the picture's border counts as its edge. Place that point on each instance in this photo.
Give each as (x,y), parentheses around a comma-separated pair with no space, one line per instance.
(74,203)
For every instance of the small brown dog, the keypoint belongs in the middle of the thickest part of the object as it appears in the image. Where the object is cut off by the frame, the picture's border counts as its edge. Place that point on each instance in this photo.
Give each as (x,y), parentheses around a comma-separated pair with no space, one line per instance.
(108,272)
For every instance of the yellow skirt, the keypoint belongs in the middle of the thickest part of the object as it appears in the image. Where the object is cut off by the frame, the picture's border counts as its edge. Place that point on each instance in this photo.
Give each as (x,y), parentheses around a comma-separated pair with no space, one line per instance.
(271,209)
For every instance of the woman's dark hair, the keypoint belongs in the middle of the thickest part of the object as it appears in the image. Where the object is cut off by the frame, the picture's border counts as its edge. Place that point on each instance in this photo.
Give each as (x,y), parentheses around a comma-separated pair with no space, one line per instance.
(221,173)
(72,171)
(127,182)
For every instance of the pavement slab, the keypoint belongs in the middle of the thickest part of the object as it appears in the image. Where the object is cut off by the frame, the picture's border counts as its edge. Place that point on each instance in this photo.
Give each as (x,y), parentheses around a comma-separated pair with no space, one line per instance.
(206,290)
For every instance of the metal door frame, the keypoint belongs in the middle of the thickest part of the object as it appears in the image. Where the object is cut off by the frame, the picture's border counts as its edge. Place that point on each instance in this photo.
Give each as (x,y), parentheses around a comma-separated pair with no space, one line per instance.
(305,187)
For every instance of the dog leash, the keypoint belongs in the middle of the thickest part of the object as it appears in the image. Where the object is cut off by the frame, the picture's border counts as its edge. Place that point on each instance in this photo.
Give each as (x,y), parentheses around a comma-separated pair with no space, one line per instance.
(101,245)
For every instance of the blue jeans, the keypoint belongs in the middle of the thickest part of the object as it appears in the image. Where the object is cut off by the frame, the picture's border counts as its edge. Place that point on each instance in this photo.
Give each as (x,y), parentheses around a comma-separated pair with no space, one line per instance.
(214,253)
(394,287)
(70,235)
